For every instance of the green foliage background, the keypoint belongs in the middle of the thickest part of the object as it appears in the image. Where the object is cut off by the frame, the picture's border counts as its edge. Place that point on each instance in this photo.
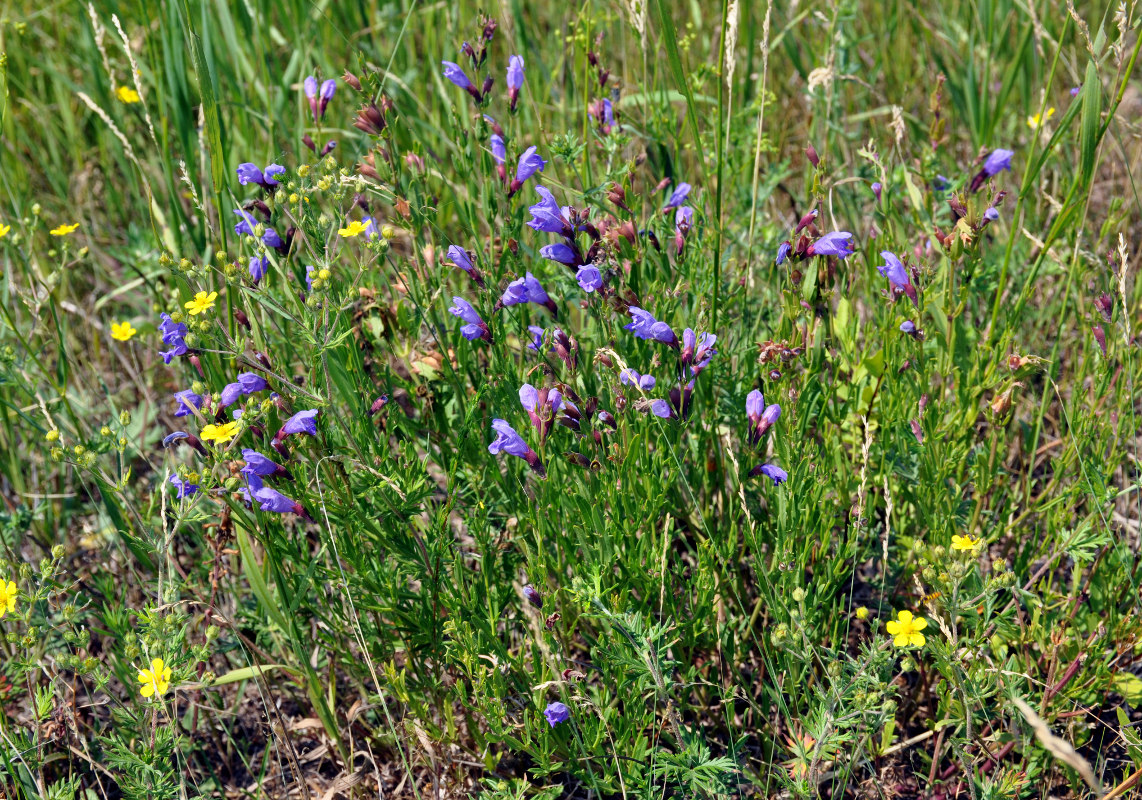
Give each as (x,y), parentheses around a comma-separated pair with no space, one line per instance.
(701,625)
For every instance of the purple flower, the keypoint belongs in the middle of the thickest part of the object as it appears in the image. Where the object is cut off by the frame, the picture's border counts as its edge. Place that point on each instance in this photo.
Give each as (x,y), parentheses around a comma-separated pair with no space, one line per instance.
(630,377)
(319,97)
(644,326)
(697,350)
(273,500)
(678,196)
(515,72)
(530,162)
(476,327)
(563,253)
(246,223)
(940,183)
(761,417)
(608,113)
(507,440)
(527,290)
(908,326)
(778,475)
(188,401)
(537,333)
(876,187)
(249,173)
(247,226)
(510,442)
(547,216)
(499,152)
(173,333)
(768,417)
(783,252)
(893,269)
(991,214)
(590,280)
(641,323)
(541,406)
(258,267)
(660,408)
(454,73)
(301,422)
(258,464)
(1075,91)
(684,219)
(309,270)
(247,383)
(459,257)
(898,277)
(838,243)
(556,713)
(185,488)
(997,161)
(754,405)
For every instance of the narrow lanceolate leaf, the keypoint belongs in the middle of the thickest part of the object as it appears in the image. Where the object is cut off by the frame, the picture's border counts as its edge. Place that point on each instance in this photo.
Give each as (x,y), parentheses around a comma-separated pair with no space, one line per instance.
(1089,125)
(674,59)
(211,121)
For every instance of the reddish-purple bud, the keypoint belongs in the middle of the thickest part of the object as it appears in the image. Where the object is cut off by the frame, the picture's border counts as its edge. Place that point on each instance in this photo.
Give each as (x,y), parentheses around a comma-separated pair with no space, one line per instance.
(533,596)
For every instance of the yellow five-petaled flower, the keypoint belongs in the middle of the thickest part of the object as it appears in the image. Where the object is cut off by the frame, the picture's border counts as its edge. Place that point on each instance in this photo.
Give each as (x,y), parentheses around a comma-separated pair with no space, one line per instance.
(122,331)
(355,228)
(155,680)
(4,230)
(8,595)
(201,302)
(905,629)
(127,95)
(964,542)
(220,433)
(64,230)
(1034,121)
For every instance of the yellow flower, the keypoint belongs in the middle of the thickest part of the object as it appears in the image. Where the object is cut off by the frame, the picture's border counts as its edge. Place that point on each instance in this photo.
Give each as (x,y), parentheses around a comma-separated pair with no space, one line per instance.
(122,331)
(127,95)
(201,302)
(1034,121)
(8,595)
(356,227)
(64,230)
(220,433)
(905,629)
(862,613)
(155,680)
(964,543)
(4,229)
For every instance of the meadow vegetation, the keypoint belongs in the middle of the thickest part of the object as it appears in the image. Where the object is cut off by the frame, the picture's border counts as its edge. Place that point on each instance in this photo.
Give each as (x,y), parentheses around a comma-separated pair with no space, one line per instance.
(621,399)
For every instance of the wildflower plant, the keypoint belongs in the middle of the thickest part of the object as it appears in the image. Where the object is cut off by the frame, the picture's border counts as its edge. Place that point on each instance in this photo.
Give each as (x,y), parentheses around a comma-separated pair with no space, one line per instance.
(541,413)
